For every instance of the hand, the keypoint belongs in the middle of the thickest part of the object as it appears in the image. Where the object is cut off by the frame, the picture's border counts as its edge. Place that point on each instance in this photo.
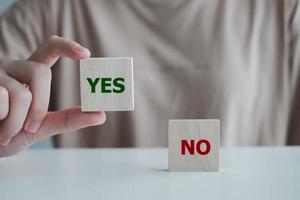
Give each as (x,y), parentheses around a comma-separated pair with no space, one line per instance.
(24,98)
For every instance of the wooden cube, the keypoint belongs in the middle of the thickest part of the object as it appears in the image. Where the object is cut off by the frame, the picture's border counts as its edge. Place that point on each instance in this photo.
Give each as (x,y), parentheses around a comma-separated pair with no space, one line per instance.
(106,84)
(194,145)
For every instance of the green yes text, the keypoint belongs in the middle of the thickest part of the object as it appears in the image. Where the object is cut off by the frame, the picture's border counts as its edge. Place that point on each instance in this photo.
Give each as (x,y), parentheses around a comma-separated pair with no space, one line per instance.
(107,85)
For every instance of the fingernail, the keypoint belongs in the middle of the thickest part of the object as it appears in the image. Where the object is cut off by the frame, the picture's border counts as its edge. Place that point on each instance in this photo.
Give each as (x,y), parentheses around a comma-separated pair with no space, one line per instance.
(80,48)
(33,126)
(83,50)
(4,142)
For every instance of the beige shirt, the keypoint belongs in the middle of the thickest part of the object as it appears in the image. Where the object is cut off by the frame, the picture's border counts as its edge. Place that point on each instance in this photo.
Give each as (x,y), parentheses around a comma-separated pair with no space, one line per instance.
(233,60)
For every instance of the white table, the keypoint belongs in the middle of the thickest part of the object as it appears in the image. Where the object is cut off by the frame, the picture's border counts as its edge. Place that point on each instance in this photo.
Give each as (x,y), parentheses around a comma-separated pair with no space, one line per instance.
(246,173)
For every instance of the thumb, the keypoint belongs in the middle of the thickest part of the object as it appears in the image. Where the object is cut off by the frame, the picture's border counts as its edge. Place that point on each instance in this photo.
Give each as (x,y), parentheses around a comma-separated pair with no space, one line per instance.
(54,123)
(67,120)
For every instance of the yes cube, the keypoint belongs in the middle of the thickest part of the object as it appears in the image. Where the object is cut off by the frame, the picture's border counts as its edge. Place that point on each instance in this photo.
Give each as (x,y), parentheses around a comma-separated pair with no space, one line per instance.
(106,84)
(194,145)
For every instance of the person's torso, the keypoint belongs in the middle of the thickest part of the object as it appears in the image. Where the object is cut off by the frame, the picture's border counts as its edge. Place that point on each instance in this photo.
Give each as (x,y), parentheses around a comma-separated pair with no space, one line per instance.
(192,60)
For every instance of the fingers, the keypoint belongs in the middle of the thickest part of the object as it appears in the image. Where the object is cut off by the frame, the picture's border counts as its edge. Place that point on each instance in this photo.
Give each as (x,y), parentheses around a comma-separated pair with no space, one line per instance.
(38,76)
(55,47)
(19,103)
(4,103)
(40,85)
(67,120)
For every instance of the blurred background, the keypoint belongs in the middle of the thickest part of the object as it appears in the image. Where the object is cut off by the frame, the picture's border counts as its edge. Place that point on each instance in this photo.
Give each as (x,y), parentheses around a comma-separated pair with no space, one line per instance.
(5,4)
